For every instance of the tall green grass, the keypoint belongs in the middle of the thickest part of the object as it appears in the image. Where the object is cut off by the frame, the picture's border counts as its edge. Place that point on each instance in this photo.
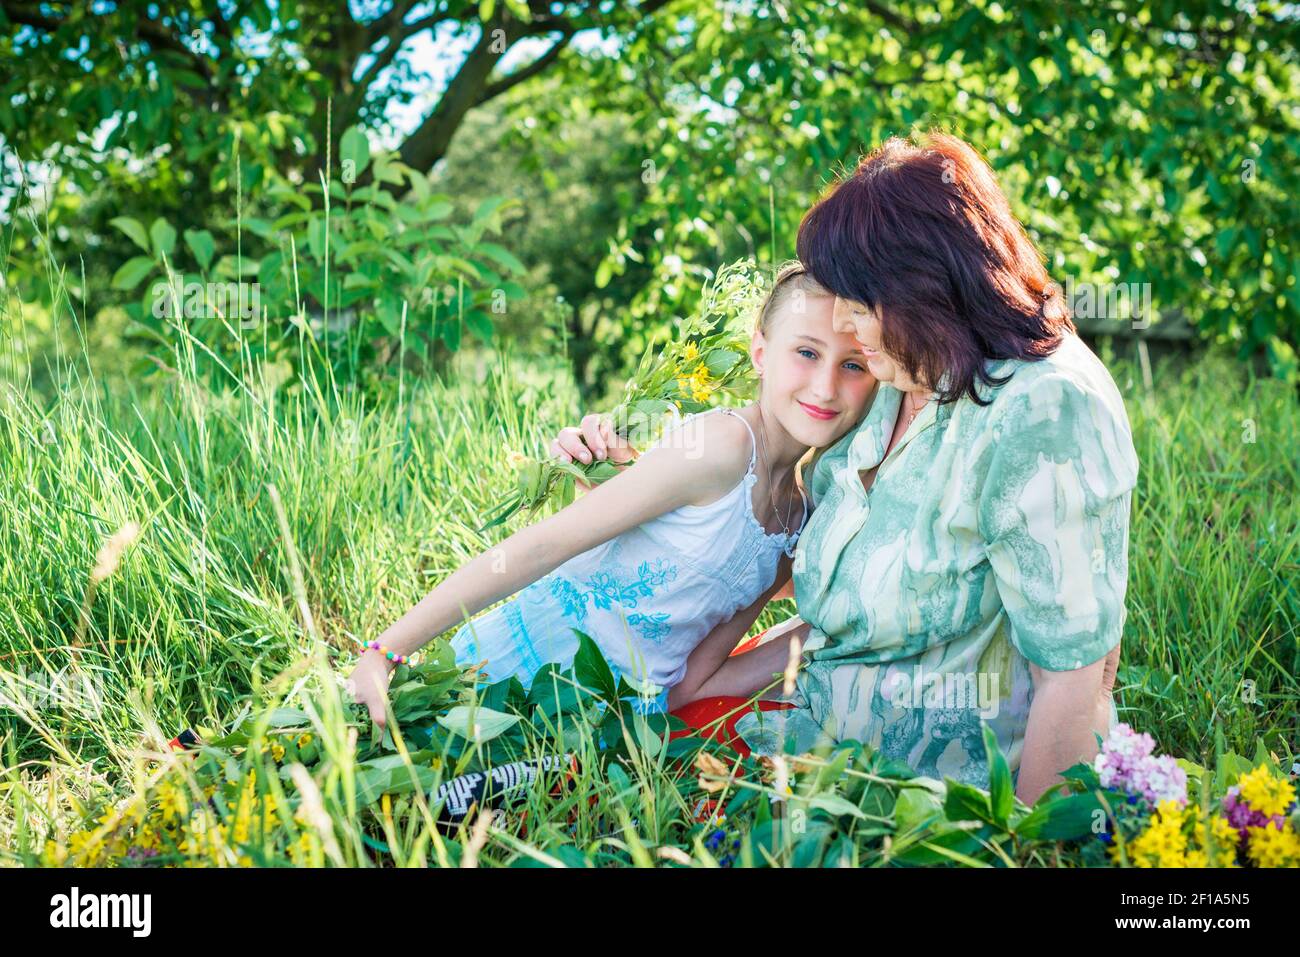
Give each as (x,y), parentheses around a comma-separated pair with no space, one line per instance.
(381,497)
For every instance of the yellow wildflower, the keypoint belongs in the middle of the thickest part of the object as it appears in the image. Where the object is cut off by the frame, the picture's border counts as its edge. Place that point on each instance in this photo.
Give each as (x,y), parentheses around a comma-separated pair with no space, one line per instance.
(85,847)
(1265,793)
(277,752)
(305,738)
(54,855)
(147,838)
(171,801)
(1270,847)
(691,353)
(1222,837)
(1163,843)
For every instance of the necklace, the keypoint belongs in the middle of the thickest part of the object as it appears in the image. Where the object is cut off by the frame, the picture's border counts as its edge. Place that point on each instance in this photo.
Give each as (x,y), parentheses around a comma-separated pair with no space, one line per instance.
(915,412)
(762,439)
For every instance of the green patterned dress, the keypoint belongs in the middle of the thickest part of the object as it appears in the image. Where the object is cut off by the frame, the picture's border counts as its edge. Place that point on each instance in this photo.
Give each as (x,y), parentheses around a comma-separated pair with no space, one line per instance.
(992,537)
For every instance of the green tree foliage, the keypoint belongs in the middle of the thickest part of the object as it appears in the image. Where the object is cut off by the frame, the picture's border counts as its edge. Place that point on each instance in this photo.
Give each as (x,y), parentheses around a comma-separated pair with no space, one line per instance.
(1141,143)
(369,277)
(569,198)
(1151,143)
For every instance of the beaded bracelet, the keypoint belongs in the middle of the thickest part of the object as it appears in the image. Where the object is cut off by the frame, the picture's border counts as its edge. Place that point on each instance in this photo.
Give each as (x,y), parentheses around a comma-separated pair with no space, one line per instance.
(390,655)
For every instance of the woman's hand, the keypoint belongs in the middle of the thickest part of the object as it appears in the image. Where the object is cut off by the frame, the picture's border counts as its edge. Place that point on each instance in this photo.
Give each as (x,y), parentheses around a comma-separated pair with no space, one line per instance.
(369,684)
(595,436)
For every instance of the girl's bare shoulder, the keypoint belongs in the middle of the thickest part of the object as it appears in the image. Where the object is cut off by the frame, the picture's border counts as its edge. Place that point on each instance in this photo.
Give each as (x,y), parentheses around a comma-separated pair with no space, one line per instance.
(718,448)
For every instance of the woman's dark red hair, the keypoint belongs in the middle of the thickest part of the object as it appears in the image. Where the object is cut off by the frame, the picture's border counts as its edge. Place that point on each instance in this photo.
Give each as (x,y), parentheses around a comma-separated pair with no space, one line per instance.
(922,233)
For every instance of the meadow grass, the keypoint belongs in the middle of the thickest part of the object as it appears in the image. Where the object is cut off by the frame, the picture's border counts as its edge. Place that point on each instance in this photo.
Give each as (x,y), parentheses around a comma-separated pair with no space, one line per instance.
(226,602)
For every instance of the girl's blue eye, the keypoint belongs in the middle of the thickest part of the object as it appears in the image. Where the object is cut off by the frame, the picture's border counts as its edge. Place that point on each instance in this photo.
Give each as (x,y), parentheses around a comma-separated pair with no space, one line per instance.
(809,351)
(856,365)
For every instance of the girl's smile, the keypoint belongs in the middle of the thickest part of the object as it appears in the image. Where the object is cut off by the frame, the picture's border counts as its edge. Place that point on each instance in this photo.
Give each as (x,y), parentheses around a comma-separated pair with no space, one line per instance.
(823,415)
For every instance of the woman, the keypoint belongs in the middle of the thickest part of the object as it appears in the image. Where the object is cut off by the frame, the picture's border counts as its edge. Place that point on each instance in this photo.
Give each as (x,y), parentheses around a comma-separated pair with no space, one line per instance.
(968,556)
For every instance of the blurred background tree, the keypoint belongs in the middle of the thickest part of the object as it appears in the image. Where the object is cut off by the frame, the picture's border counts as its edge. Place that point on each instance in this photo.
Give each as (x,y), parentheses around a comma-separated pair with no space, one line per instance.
(1151,143)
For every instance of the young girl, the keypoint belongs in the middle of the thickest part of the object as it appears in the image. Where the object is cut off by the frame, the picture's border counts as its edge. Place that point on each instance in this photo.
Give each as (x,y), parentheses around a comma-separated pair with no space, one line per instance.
(697,534)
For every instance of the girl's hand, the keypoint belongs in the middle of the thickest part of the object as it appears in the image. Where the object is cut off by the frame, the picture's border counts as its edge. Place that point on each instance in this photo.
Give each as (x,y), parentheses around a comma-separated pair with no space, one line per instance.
(595,437)
(369,684)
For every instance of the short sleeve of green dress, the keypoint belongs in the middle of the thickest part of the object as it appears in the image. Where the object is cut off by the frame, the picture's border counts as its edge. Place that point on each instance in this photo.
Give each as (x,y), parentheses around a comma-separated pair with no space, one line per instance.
(993,536)
(1053,512)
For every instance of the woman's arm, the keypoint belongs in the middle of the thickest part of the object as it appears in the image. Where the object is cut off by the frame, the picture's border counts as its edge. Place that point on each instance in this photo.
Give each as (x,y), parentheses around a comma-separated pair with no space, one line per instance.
(1054,513)
(1068,709)
(661,480)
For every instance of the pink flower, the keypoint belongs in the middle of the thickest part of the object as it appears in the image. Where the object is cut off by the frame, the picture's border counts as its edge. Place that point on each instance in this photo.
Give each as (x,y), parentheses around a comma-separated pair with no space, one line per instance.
(1126,763)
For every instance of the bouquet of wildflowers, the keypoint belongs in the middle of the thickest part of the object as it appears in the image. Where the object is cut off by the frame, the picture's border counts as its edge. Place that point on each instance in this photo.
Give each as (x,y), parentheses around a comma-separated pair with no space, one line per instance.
(708,358)
(1153,824)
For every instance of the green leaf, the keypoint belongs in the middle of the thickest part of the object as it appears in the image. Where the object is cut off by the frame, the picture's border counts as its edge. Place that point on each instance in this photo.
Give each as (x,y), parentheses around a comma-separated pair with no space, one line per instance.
(1001,797)
(132,272)
(490,207)
(1060,819)
(316,238)
(164,237)
(480,325)
(387,172)
(1230,767)
(947,848)
(720,361)
(477,724)
(354,153)
(833,770)
(965,802)
(591,669)
(502,256)
(917,806)
(646,738)
(835,805)
(287,718)
(202,245)
(134,230)
(436,209)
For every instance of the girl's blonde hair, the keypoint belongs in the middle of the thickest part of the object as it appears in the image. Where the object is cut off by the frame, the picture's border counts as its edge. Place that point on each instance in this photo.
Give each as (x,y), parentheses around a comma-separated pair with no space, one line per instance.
(792,284)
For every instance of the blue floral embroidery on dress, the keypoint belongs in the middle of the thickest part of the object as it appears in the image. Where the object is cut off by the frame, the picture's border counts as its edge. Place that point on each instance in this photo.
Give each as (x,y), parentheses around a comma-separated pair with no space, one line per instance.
(653,627)
(571,600)
(606,588)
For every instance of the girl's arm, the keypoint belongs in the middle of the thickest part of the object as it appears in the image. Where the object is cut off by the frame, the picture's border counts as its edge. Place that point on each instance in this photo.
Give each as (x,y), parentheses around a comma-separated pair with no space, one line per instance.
(711,671)
(661,480)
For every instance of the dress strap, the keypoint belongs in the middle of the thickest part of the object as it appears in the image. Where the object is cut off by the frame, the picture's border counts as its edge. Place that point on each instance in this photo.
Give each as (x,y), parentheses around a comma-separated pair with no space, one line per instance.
(753,442)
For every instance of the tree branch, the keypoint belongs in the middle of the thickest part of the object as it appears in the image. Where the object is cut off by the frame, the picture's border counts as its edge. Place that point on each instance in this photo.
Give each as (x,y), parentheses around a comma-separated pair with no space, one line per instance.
(429,142)
(498,87)
(892,17)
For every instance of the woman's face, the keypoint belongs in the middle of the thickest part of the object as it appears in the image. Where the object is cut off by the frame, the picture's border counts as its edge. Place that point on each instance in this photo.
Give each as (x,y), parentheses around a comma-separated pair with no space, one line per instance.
(863,323)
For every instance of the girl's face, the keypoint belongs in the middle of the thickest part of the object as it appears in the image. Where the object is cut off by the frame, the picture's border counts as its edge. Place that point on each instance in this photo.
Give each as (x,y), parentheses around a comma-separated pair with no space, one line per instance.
(863,322)
(815,379)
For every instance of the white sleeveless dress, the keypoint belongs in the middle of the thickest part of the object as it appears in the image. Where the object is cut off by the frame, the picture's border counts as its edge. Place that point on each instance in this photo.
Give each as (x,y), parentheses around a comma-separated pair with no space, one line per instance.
(647,597)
